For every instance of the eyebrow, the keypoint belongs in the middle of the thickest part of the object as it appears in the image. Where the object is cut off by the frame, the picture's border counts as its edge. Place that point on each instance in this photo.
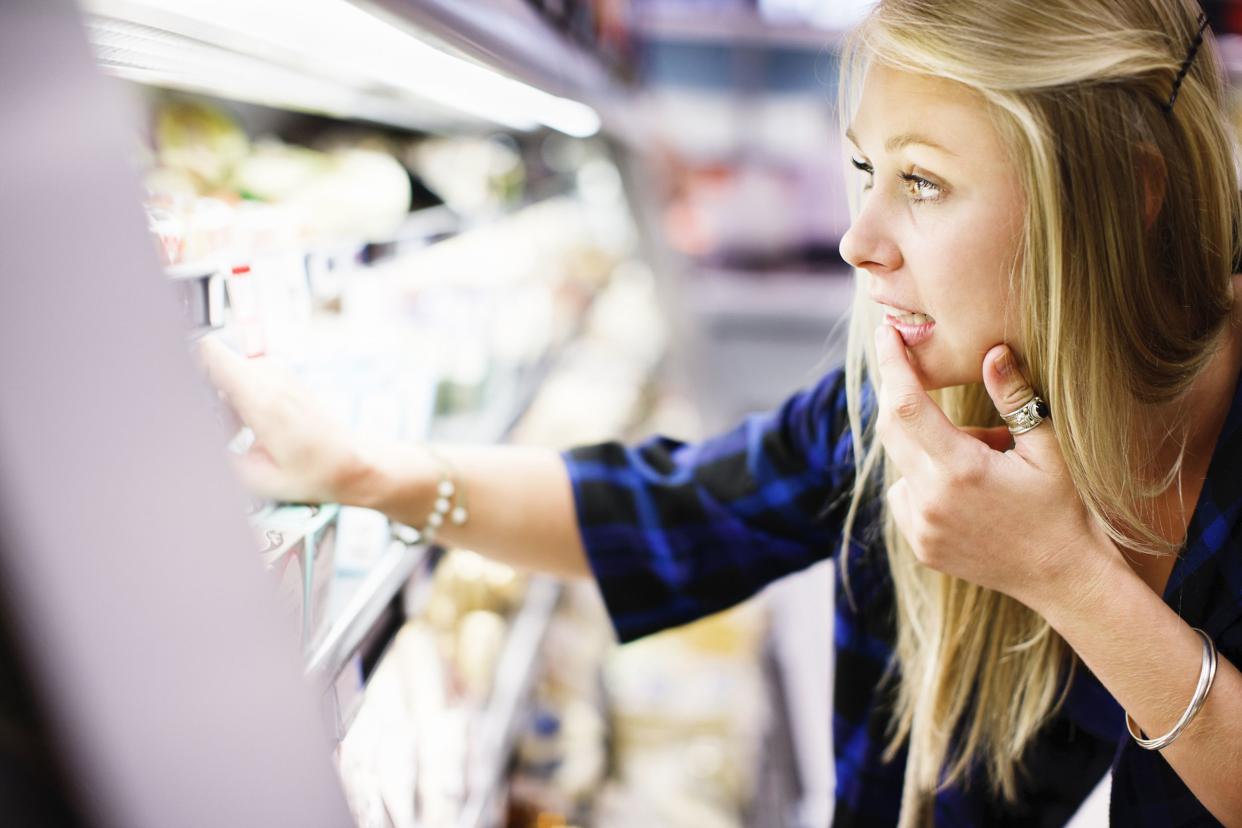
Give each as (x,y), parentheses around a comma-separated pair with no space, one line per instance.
(903,140)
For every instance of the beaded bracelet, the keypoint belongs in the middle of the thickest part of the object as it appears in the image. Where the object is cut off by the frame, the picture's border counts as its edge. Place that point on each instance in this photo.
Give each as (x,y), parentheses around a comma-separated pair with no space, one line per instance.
(1207,672)
(447,490)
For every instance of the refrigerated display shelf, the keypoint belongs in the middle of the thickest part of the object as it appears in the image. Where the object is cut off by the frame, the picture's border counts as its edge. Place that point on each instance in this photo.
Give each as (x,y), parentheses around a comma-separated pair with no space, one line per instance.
(181,48)
(515,674)
(200,285)
(420,229)
(369,594)
(510,37)
(425,65)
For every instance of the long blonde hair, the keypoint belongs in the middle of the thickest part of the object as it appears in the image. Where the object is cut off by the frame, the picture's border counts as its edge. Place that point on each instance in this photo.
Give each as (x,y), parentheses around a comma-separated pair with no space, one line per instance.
(1115,317)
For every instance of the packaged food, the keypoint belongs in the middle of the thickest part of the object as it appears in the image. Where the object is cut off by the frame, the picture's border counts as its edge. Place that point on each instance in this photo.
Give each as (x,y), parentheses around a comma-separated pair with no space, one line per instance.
(284,552)
(308,533)
(319,577)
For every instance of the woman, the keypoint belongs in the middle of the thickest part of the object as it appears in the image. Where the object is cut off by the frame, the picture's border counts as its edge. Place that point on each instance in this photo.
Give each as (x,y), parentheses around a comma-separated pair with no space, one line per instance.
(1047,203)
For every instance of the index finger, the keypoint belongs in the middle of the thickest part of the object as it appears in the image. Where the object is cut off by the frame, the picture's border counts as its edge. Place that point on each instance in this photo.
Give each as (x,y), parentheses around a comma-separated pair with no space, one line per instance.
(918,426)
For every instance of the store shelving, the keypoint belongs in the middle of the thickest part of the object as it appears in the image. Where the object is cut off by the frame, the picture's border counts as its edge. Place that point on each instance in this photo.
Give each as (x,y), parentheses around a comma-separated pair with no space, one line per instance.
(415,64)
(171,46)
(514,677)
(200,296)
(366,598)
(420,229)
(534,239)
(509,36)
(360,601)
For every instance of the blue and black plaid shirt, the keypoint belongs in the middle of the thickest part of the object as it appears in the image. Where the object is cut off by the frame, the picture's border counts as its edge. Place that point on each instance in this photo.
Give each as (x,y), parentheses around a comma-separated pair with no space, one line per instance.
(676,531)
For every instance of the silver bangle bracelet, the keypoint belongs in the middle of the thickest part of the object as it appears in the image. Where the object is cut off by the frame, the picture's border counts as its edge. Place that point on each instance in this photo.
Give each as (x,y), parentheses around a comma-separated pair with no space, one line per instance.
(1207,673)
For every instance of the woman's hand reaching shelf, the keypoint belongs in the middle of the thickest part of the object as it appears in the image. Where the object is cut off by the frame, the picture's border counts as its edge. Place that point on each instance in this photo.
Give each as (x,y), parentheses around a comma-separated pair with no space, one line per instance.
(300,454)
(521,504)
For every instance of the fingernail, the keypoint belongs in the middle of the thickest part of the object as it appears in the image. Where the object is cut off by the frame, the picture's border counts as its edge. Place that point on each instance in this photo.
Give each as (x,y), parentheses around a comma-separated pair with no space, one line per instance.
(1004,363)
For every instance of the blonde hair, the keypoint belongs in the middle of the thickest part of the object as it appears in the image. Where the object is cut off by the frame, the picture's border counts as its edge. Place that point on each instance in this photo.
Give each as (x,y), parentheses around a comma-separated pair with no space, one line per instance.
(1115,317)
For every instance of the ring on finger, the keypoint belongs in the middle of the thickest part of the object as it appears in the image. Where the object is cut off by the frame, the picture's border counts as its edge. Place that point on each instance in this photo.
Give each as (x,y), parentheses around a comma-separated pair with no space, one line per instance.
(1027,416)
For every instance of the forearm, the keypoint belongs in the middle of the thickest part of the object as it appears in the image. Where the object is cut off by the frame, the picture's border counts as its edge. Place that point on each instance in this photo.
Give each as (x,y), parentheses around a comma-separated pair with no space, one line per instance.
(521,507)
(1149,660)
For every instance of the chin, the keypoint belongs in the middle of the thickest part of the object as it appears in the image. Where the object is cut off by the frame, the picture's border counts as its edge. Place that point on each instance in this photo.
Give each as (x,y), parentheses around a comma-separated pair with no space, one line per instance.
(936,373)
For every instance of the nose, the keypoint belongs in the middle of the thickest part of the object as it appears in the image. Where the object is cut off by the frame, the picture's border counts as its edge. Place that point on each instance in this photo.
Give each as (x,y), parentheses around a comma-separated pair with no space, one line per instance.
(867,244)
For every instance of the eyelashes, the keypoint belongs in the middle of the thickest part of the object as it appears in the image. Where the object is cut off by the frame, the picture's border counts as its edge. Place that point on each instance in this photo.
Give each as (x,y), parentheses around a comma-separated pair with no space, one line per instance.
(921,190)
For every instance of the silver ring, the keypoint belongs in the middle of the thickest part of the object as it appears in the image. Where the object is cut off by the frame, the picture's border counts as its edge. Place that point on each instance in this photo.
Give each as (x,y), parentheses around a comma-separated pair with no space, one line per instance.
(1026,417)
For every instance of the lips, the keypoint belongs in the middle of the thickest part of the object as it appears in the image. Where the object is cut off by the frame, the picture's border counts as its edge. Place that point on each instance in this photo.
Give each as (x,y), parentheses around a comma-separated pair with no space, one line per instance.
(911,334)
(914,326)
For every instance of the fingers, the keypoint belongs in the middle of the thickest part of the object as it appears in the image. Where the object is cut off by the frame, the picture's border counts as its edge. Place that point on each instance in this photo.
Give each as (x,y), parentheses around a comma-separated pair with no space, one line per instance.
(911,425)
(233,376)
(1010,390)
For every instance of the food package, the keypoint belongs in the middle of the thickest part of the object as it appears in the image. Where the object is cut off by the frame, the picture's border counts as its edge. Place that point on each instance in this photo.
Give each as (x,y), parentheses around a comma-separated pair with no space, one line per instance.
(200,140)
(284,553)
(365,536)
(319,578)
(309,533)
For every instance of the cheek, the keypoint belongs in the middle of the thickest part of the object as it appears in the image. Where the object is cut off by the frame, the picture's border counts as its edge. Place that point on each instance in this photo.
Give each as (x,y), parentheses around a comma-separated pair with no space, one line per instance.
(980,246)
(969,293)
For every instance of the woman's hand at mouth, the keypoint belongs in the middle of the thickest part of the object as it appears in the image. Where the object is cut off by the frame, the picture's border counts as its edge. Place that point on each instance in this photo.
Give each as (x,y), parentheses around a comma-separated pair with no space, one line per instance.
(1005,518)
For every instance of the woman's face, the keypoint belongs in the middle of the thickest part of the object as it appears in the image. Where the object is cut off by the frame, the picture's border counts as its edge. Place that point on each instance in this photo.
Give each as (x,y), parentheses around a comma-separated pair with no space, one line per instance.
(939,221)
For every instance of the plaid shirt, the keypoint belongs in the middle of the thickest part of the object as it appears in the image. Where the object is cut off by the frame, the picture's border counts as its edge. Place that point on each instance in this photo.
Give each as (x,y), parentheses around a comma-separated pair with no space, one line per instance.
(676,531)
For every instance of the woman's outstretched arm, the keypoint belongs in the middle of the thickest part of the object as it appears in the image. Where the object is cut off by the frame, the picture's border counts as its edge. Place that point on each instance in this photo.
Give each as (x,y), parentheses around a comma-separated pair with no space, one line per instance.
(672,531)
(521,508)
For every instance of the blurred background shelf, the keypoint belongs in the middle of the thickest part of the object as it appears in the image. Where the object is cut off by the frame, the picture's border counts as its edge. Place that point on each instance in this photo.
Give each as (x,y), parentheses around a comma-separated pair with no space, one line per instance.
(515,675)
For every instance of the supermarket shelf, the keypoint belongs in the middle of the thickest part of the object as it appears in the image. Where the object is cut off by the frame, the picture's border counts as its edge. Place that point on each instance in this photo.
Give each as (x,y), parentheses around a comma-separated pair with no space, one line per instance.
(420,228)
(427,65)
(366,606)
(163,47)
(508,36)
(515,674)
(200,297)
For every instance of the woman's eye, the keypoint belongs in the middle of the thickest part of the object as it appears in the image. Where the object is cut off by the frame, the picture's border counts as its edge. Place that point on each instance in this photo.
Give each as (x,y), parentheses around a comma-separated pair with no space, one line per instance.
(921,190)
(866,168)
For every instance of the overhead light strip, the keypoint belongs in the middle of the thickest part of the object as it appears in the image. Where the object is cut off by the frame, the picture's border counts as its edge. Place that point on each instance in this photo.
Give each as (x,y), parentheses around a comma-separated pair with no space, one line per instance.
(336,39)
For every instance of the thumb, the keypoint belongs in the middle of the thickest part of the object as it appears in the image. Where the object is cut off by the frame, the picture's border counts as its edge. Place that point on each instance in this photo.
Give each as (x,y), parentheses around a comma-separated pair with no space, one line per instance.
(1009,389)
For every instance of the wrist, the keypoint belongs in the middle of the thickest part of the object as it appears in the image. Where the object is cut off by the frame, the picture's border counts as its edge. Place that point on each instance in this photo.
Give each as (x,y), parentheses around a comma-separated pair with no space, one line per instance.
(1075,590)
(387,478)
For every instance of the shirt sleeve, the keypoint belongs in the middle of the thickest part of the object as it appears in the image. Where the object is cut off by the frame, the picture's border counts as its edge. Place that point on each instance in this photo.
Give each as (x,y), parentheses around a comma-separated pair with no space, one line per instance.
(675,531)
